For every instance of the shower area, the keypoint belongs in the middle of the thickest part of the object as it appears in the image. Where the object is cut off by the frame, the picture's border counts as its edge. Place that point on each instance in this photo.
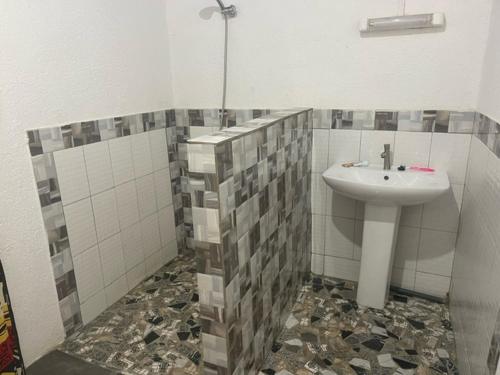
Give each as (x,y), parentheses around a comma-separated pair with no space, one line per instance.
(227,213)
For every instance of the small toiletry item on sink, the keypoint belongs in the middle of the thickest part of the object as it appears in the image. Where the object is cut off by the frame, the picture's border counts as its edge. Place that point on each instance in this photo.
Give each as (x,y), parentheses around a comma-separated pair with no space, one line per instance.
(350,164)
(402,167)
(421,169)
(363,163)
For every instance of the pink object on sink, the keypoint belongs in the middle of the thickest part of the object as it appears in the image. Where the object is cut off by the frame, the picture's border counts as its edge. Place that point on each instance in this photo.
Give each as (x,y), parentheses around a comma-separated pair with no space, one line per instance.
(421,169)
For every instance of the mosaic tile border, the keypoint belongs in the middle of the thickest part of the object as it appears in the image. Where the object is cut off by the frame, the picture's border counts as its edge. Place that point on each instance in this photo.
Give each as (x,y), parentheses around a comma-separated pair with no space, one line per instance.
(57,234)
(438,121)
(487,131)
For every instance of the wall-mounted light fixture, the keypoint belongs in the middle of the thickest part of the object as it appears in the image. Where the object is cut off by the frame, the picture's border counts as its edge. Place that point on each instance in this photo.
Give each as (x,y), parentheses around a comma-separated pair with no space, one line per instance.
(402,23)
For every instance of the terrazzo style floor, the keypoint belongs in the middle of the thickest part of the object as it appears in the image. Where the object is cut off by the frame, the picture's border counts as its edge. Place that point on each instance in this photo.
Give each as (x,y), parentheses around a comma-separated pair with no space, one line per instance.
(328,333)
(154,330)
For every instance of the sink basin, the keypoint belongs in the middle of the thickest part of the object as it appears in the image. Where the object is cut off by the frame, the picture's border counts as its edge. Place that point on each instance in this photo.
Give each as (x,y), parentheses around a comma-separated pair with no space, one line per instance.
(375,185)
(384,192)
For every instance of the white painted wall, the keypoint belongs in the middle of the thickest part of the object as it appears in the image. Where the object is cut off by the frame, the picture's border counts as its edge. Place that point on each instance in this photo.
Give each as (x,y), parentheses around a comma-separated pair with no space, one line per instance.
(489,92)
(64,61)
(309,53)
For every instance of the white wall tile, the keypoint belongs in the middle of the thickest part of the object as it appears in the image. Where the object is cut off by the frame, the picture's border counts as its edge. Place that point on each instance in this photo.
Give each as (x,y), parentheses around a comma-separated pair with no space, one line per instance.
(116,290)
(443,212)
(88,273)
(92,307)
(154,262)
(339,205)
(98,163)
(436,252)
(407,247)
(80,225)
(136,275)
(166,221)
(372,145)
(105,214)
(344,145)
(170,252)
(403,278)
(133,252)
(318,234)
(159,151)
(163,188)
(449,152)
(320,150)
(71,175)
(474,298)
(342,268)
(127,204)
(150,235)
(120,151)
(113,265)
(318,194)
(476,173)
(339,239)
(146,195)
(317,264)
(141,155)
(433,285)
(412,148)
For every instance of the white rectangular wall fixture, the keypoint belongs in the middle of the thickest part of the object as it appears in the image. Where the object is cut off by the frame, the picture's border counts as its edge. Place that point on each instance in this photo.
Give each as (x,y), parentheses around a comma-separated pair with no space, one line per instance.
(402,23)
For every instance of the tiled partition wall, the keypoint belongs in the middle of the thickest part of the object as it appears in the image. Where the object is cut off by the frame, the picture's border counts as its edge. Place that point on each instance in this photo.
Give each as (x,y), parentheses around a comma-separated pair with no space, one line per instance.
(250,191)
(427,234)
(106,201)
(192,123)
(474,297)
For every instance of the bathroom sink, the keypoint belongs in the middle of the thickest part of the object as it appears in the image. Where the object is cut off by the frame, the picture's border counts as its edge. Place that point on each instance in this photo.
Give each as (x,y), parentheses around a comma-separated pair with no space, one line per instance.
(387,187)
(384,192)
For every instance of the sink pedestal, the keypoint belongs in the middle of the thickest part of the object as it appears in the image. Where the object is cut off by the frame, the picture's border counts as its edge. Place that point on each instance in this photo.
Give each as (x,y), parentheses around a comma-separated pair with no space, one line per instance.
(379,240)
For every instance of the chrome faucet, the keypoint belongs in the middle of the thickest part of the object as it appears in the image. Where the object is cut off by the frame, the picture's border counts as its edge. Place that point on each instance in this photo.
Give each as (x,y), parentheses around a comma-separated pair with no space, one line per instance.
(386,155)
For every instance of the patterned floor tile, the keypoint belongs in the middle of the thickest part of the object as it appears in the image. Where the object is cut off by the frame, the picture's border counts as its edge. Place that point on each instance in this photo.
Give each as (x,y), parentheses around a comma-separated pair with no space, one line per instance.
(328,333)
(154,330)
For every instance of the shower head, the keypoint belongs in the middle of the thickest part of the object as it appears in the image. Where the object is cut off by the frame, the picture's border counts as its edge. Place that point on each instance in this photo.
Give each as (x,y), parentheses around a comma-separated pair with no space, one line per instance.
(227,10)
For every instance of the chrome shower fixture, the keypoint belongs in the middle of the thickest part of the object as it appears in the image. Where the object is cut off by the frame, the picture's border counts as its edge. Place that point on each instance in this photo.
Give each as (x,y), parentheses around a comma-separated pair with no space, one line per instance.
(229,11)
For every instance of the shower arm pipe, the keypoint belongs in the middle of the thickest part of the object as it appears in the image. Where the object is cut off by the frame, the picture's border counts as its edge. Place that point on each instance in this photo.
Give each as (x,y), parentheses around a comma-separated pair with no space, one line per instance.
(227,10)
(223,116)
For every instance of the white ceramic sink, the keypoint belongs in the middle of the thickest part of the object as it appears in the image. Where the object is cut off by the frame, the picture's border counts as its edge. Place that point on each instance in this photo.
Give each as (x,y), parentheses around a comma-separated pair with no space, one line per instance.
(375,185)
(384,193)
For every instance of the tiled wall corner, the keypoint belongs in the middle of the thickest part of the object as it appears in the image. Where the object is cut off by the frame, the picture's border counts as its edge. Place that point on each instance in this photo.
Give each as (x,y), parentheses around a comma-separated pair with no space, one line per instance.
(435,121)
(249,275)
(474,300)
(105,195)
(191,123)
